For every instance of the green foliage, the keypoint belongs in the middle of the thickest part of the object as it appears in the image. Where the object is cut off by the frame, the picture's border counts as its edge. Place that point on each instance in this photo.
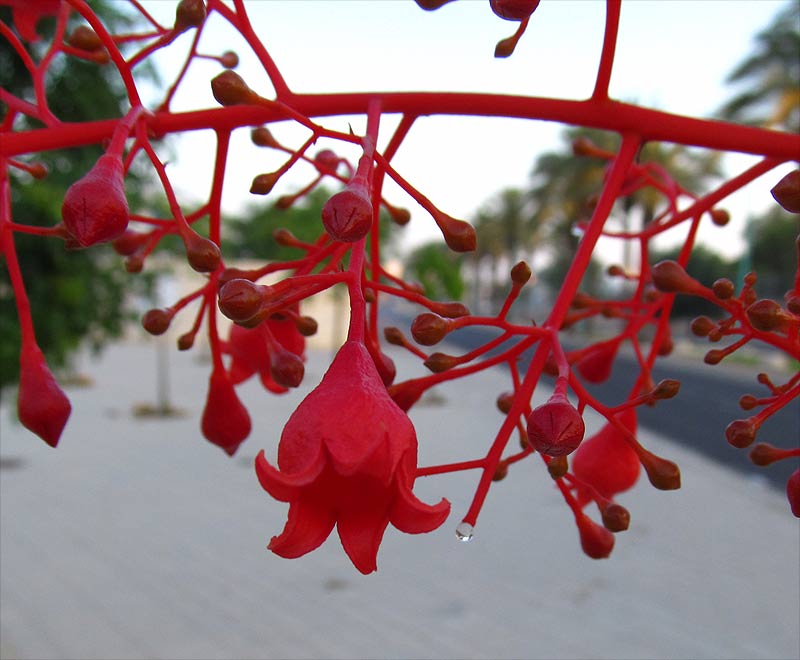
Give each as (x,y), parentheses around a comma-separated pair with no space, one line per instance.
(706,266)
(774,251)
(438,269)
(769,78)
(74,295)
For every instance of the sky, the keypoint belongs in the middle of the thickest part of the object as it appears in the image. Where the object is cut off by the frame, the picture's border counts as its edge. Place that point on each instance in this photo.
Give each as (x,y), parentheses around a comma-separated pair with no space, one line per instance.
(672,54)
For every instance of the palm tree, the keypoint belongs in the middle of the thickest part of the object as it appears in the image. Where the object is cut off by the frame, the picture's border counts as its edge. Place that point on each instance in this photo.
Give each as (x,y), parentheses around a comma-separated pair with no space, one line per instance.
(772,76)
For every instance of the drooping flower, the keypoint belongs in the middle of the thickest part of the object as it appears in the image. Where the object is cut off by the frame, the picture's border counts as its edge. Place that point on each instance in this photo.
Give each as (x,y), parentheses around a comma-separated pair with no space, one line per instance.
(250,353)
(347,457)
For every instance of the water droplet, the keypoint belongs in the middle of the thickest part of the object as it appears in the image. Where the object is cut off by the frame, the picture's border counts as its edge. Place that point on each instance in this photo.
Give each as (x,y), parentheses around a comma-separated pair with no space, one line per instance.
(464,532)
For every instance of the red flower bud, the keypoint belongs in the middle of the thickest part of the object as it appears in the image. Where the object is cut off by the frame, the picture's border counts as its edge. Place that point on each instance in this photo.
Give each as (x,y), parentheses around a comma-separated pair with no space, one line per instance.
(399,216)
(787,192)
(702,326)
(741,432)
(42,406)
(84,38)
(429,329)
(240,299)
(129,242)
(430,5)
(793,492)
(157,321)
(306,325)
(229,88)
(202,254)
(286,368)
(226,422)
(347,215)
(505,401)
(666,389)
(521,273)
(558,466)
(459,235)
(767,315)
(229,59)
(670,277)
(720,217)
(514,10)
(723,288)
(555,428)
(326,162)
(450,310)
(264,183)
(394,336)
(596,541)
(439,362)
(95,209)
(261,136)
(189,14)
(616,518)
(663,474)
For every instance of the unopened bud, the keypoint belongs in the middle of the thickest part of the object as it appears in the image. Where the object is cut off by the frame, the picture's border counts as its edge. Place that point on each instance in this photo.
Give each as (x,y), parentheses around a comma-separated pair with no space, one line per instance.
(347,215)
(394,336)
(723,288)
(285,367)
(596,541)
(264,183)
(714,356)
(670,277)
(793,305)
(157,321)
(764,454)
(189,14)
(240,300)
(229,59)
(557,466)
(616,518)
(186,341)
(666,389)
(513,10)
(505,401)
(229,88)
(326,162)
(747,402)
(202,253)
(84,38)
(767,315)
(520,273)
(787,192)
(459,235)
(702,326)
(129,242)
(399,216)
(450,310)
(306,325)
(261,136)
(720,217)
(438,362)
(555,428)
(663,474)
(429,329)
(501,472)
(741,432)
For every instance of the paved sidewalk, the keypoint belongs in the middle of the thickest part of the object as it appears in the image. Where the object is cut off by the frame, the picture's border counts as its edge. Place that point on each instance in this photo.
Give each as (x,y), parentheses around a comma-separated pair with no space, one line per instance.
(138,539)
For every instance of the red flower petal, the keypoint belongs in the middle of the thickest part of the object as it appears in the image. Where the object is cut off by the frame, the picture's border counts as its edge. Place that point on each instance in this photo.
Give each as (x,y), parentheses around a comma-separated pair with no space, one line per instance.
(42,406)
(285,487)
(362,520)
(308,525)
(413,516)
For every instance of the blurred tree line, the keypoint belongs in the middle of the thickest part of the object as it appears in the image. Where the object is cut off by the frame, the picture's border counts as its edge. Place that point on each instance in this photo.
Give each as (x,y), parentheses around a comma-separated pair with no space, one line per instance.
(540,219)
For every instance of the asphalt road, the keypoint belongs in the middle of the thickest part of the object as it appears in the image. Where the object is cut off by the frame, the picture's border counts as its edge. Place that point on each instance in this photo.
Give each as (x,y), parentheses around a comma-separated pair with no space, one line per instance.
(697,417)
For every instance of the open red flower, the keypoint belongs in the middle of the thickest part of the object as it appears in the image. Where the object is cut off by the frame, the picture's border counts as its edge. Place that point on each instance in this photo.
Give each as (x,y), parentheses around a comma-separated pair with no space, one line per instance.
(250,352)
(347,457)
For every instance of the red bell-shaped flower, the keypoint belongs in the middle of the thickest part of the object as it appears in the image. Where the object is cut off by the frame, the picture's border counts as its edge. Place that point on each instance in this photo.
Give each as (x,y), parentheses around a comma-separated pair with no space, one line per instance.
(347,457)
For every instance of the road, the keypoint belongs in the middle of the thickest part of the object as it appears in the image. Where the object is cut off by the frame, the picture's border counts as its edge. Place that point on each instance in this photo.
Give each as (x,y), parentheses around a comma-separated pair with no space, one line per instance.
(697,417)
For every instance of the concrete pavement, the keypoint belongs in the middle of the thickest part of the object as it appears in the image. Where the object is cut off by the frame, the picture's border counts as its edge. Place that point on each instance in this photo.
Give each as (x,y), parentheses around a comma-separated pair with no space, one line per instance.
(138,539)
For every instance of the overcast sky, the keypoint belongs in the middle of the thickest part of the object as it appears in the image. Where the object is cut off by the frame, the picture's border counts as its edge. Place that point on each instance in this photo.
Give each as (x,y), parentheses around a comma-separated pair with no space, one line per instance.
(671,54)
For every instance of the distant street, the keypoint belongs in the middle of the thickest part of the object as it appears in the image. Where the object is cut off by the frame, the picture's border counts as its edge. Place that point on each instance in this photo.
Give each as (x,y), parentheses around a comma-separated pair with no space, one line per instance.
(697,417)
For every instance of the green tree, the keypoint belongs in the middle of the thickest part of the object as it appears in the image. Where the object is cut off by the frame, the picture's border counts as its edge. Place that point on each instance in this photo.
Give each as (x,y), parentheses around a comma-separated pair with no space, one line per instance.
(438,269)
(773,252)
(770,76)
(78,295)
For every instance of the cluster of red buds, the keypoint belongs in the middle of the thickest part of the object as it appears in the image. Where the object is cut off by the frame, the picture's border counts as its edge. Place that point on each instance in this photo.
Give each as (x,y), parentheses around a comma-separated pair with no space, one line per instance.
(347,458)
